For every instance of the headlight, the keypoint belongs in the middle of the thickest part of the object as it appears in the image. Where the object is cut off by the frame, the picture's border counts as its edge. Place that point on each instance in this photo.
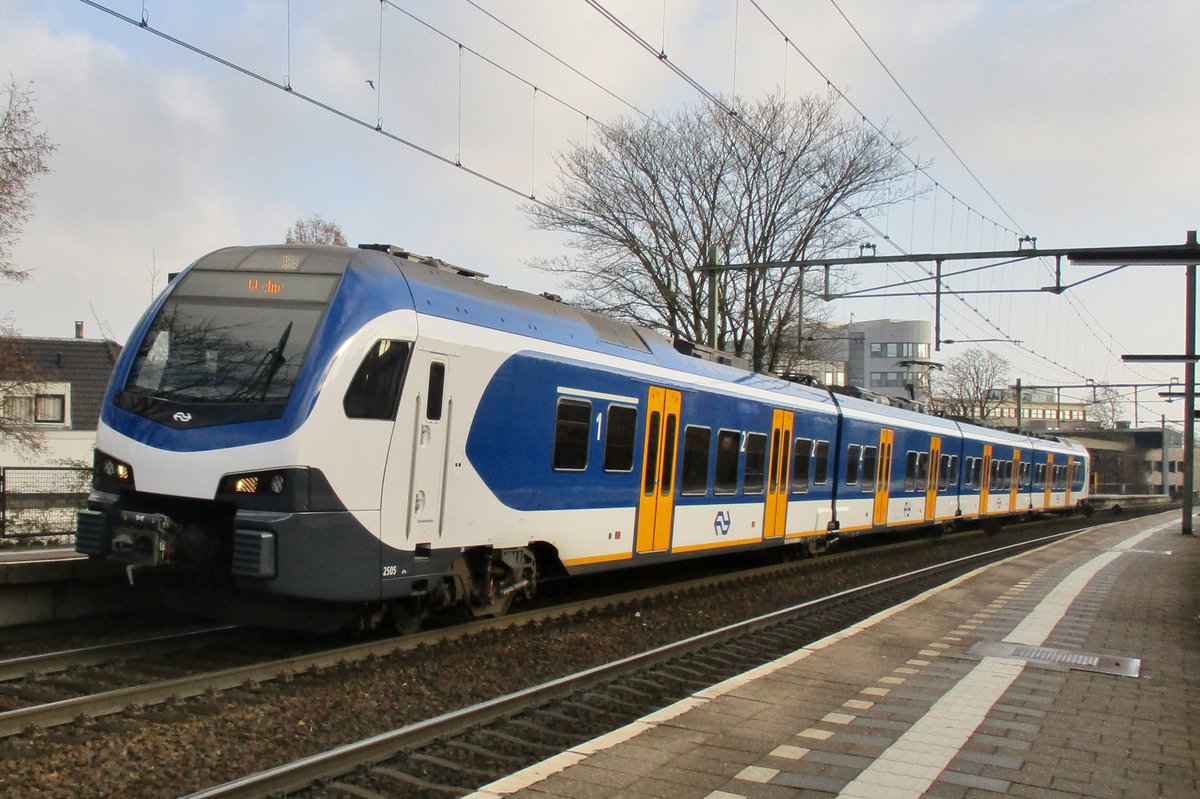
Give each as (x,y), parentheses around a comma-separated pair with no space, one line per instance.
(270,489)
(110,474)
(254,483)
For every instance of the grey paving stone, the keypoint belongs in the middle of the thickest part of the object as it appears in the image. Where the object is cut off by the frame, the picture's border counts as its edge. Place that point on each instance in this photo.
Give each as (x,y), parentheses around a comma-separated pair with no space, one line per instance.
(971,781)
(809,783)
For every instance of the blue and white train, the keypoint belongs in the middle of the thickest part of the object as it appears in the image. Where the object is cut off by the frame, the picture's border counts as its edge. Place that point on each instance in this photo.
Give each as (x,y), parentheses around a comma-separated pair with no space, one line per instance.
(310,437)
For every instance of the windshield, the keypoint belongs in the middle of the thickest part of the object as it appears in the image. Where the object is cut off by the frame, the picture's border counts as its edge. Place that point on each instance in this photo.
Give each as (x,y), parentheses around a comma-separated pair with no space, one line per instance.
(230,337)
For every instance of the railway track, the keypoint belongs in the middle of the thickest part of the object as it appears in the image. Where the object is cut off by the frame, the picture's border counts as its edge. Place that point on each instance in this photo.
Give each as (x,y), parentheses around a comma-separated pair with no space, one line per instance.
(61,687)
(352,691)
(458,752)
(26,676)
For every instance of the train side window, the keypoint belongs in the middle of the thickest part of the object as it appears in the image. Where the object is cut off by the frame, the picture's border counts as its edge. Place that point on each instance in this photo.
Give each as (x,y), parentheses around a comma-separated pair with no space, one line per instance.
(953,472)
(725,477)
(1025,474)
(801,461)
(437,384)
(773,472)
(1077,477)
(944,468)
(1040,478)
(975,469)
(853,463)
(910,471)
(922,471)
(696,441)
(374,392)
(666,480)
(1008,474)
(618,439)
(572,425)
(870,457)
(821,463)
(756,457)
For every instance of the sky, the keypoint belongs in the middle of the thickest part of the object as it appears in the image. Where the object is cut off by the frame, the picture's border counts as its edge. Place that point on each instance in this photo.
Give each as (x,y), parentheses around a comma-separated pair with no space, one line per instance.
(1065,120)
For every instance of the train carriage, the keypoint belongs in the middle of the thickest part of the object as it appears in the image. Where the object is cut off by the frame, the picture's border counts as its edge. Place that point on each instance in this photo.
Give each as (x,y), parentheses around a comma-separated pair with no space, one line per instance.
(308,436)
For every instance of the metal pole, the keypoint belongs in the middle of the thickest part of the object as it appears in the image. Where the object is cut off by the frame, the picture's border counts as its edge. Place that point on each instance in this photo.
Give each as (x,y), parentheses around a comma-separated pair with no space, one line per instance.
(711,264)
(1018,404)
(1166,485)
(1189,404)
(800,322)
(937,310)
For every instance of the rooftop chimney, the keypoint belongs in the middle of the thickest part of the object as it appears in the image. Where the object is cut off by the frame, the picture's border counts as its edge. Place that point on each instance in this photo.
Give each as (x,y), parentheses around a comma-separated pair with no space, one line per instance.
(79,330)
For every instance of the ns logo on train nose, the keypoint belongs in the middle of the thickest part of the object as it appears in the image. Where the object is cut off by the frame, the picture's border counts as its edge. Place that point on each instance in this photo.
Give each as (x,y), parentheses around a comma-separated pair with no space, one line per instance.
(182,416)
(722,522)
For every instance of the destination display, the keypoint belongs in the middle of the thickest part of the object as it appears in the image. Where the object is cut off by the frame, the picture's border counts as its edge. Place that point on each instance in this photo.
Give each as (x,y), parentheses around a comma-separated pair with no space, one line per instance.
(265,285)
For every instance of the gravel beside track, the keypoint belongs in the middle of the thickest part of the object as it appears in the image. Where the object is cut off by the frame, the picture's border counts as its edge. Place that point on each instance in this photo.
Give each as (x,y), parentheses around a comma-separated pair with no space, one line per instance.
(181,747)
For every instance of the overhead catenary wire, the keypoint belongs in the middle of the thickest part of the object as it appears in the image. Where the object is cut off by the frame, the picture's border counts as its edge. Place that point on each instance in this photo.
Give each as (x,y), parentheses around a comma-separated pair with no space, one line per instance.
(456,161)
(833,87)
(723,106)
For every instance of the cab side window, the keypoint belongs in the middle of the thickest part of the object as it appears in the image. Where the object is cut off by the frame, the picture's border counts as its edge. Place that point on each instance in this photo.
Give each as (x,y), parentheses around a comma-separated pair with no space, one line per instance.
(374,392)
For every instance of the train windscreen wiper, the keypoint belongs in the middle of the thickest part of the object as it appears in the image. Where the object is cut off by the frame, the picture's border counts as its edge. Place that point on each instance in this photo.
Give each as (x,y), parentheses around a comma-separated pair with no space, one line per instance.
(266,370)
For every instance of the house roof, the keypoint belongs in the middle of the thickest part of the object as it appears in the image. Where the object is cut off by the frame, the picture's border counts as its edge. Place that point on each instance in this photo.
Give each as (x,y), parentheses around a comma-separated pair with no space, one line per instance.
(84,363)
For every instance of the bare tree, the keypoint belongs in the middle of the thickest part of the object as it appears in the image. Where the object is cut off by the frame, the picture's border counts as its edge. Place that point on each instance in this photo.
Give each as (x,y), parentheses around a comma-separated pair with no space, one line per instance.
(972,384)
(24,151)
(315,230)
(19,382)
(777,181)
(1106,406)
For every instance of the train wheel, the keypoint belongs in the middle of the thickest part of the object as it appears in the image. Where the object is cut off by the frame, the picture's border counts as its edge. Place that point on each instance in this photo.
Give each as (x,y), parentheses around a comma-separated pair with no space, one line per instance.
(497,607)
(406,615)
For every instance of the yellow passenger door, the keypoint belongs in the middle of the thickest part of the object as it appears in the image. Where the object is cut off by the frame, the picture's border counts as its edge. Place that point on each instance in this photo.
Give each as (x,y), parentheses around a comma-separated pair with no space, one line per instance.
(1016,481)
(1049,478)
(656,506)
(883,475)
(985,479)
(778,472)
(931,491)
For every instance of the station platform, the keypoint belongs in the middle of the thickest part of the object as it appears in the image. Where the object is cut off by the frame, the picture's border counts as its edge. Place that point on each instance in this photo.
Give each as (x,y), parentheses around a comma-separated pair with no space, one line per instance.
(40,584)
(1072,671)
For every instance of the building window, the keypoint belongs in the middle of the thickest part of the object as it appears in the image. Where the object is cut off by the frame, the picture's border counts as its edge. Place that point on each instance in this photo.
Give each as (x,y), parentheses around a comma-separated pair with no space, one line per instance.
(42,408)
(899,349)
(19,409)
(51,408)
